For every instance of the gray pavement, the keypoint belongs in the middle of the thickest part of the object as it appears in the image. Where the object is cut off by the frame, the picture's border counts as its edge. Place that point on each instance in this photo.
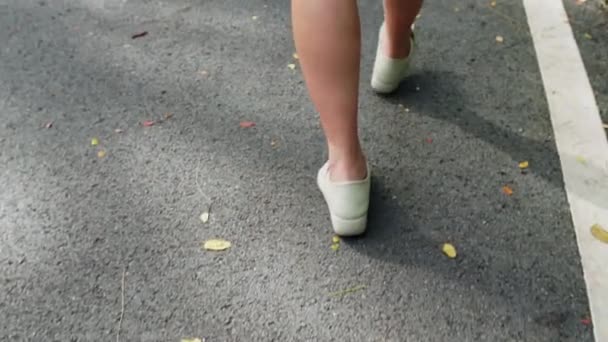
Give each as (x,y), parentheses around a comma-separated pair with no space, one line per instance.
(71,223)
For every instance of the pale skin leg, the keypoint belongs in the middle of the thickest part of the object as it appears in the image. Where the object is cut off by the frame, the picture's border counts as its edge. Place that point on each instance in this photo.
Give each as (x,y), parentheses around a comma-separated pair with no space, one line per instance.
(327,34)
(398,17)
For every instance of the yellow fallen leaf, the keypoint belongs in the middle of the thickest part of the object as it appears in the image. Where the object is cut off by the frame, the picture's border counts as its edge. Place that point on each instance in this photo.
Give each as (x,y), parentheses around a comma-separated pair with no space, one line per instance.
(499,39)
(587,36)
(581,160)
(94,141)
(216,245)
(205,217)
(599,233)
(295,56)
(335,247)
(347,291)
(493,4)
(191,340)
(507,190)
(449,250)
(291,66)
(101,154)
(335,239)
(524,165)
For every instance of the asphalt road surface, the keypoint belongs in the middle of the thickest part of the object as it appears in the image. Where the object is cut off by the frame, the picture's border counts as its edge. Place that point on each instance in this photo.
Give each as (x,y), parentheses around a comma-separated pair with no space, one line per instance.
(73,223)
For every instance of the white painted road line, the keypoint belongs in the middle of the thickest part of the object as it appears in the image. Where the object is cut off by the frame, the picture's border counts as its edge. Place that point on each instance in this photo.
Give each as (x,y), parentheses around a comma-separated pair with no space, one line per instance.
(581,144)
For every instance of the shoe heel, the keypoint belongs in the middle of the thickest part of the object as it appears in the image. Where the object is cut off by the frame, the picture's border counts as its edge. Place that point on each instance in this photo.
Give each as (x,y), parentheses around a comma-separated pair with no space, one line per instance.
(380,87)
(349,227)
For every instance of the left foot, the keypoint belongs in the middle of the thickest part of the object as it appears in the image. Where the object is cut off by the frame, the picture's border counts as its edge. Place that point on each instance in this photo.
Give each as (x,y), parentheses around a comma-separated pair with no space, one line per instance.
(389,72)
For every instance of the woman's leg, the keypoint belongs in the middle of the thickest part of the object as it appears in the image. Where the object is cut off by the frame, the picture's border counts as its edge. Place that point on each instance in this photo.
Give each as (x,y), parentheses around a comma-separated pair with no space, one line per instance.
(328,41)
(398,17)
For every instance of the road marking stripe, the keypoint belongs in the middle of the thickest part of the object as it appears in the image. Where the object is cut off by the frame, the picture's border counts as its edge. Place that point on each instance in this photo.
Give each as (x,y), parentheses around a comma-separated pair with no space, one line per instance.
(581,144)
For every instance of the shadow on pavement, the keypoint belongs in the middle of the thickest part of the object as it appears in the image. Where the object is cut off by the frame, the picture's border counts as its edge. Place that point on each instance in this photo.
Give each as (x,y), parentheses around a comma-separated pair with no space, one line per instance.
(397,235)
(447,84)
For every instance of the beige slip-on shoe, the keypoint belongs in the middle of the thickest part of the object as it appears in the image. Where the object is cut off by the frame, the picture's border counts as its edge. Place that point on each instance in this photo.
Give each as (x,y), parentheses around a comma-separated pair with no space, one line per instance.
(348,202)
(389,72)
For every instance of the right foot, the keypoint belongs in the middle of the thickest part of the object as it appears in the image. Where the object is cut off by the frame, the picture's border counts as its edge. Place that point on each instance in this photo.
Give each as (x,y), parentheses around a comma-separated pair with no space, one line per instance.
(389,72)
(348,201)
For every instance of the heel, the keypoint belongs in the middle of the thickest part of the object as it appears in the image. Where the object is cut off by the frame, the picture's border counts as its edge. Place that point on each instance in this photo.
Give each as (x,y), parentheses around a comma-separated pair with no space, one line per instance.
(349,227)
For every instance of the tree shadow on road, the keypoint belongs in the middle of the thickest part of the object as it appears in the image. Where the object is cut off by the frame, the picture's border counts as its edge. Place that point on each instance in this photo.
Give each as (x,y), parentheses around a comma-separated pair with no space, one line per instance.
(513,267)
(441,98)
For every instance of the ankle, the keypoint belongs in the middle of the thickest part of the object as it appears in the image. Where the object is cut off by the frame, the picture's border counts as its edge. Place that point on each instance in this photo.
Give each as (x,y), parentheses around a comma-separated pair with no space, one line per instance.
(396,47)
(351,169)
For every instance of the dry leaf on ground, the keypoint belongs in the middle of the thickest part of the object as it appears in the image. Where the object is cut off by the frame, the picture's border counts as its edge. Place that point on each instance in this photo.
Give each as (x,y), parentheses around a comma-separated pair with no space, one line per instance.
(335,246)
(587,36)
(524,165)
(94,142)
(139,35)
(216,245)
(191,340)
(205,217)
(493,4)
(247,124)
(48,125)
(581,160)
(148,123)
(101,154)
(507,190)
(449,250)
(499,39)
(255,17)
(347,291)
(295,56)
(291,66)
(118,130)
(599,233)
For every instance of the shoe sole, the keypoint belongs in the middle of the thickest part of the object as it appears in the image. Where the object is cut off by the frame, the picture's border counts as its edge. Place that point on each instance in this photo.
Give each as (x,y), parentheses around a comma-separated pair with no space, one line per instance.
(349,227)
(383,88)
